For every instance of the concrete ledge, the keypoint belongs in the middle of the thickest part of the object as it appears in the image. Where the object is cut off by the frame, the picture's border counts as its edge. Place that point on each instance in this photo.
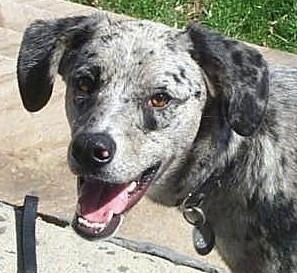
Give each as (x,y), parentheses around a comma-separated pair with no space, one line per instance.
(59,249)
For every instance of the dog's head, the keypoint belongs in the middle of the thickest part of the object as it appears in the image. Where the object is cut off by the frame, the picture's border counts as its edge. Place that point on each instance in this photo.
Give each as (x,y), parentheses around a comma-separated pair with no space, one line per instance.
(136,94)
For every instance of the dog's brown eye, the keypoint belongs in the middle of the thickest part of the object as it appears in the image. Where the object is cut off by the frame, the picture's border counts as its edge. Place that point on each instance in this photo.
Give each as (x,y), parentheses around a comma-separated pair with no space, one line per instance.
(159,100)
(86,84)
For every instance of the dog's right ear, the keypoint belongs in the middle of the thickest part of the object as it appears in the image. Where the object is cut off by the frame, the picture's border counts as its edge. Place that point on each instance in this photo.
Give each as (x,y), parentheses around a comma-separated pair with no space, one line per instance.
(42,48)
(238,74)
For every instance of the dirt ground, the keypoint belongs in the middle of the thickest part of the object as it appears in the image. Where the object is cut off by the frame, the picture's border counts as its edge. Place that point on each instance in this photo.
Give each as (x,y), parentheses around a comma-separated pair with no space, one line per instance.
(33,147)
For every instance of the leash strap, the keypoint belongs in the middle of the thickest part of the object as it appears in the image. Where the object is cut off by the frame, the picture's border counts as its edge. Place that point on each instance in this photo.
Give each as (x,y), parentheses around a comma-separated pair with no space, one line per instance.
(28,240)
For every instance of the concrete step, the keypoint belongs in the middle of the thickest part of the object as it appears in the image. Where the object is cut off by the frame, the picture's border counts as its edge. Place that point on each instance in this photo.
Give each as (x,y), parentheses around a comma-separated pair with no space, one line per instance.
(59,249)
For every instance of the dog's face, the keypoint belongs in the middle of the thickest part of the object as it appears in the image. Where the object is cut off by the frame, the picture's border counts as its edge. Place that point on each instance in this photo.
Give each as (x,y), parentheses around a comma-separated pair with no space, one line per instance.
(130,97)
(135,89)
(135,97)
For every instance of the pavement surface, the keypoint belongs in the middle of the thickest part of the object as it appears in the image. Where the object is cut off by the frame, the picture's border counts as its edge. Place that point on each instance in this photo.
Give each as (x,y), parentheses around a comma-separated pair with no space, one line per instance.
(33,147)
(59,249)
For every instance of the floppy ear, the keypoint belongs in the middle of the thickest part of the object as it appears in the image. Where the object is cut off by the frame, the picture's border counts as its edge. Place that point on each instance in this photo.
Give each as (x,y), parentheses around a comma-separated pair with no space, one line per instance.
(42,48)
(239,75)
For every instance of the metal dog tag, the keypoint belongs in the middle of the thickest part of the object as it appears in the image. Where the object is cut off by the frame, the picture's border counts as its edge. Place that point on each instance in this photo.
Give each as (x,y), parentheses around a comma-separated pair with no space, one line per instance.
(203,235)
(194,216)
(203,239)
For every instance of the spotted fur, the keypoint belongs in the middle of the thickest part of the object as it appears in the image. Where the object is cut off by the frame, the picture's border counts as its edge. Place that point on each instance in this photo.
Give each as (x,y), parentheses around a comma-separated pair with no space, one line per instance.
(231,114)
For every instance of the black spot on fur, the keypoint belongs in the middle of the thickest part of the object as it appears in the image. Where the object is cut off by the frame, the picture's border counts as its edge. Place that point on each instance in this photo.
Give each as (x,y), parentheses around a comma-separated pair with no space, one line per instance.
(149,119)
(249,72)
(182,72)
(284,162)
(171,47)
(229,44)
(239,115)
(237,57)
(263,87)
(197,94)
(106,38)
(175,77)
(280,224)
(255,58)
(79,37)
(91,55)
(269,125)
(190,83)
(92,121)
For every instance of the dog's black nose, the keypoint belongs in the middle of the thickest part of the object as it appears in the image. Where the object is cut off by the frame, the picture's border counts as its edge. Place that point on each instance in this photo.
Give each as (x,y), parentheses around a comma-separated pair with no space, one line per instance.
(93,150)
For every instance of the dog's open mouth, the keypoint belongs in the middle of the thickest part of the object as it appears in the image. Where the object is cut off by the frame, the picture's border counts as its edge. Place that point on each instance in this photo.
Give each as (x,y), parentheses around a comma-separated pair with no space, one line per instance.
(101,205)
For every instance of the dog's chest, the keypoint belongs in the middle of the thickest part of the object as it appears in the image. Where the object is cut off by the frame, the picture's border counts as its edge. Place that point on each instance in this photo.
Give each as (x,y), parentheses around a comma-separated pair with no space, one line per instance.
(241,240)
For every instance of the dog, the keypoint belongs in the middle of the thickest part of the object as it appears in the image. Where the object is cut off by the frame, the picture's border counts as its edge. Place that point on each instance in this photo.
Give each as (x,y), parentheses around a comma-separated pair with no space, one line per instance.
(162,111)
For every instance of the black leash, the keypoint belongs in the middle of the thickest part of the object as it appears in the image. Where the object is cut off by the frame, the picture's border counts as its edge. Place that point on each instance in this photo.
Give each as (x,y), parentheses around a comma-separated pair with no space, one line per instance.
(27,242)
(203,234)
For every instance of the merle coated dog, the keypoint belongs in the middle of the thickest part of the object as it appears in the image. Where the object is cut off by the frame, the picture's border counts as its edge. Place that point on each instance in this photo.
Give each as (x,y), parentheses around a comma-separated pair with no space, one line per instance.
(159,110)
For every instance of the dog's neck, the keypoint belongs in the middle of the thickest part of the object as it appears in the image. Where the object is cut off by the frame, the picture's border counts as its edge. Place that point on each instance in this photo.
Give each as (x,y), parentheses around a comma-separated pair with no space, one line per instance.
(250,202)
(250,165)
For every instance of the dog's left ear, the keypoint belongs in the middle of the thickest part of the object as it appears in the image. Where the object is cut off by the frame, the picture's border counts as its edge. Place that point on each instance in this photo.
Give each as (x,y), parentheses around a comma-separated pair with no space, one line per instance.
(43,46)
(238,74)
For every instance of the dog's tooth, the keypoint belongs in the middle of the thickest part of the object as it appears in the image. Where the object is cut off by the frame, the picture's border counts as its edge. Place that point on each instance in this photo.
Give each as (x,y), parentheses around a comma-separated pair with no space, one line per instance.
(88,224)
(132,186)
(110,215)
(98,225)
(85,222)
(82,221)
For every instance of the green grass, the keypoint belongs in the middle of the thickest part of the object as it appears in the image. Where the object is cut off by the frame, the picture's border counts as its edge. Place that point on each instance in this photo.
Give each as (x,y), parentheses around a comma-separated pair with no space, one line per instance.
(271,23)
(170,12)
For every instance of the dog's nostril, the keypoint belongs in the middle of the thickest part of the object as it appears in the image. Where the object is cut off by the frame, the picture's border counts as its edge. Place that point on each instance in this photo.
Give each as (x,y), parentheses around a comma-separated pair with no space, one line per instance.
(101,153)
(103,148)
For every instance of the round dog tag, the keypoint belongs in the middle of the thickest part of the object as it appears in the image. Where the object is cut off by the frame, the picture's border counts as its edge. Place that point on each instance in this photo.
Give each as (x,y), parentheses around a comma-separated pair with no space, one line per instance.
(194,216)
(203,239)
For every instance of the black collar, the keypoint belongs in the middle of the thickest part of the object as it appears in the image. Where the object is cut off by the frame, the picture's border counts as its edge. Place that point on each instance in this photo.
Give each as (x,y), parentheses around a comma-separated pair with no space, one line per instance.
(192,209)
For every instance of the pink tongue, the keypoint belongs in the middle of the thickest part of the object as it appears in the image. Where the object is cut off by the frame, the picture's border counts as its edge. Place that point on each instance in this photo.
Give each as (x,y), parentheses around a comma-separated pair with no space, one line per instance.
(98,203)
